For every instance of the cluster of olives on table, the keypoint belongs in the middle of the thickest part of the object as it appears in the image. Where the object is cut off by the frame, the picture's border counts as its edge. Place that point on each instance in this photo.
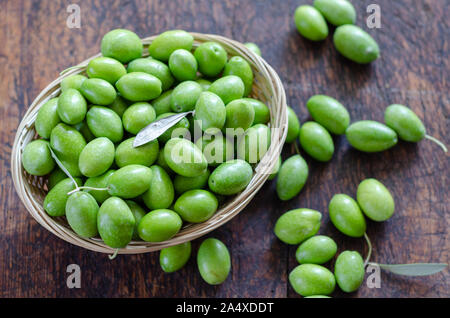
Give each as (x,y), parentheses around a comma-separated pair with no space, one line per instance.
(300,226)
(146,192)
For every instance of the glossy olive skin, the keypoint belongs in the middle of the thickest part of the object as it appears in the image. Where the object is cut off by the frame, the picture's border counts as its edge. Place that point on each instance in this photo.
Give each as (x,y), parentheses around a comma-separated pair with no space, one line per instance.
(96,157)
(159,225)
(230,177)
(119,105)
(100,182)
(106,68)
(47,118)
(228,88)
(37,159)
(81,214)
(337,12)
(316,250)
(174,258)
(254,48)
(181,127)
(312,279)
(293,126)
(104,122)
(356,44)
(216,150)
(254,144)
(371,136)
(405,123)
(346,215)
(184,157)
(144,155)
(349,271)
(328,112)
(139,86)
(137,116)
(98,91)
(262,112)
(67,144)
(375,200)
(316,141)
(162,104)
(240,67)
(167,42)
(292,177)
(295,226)
(210,111)
(214,262)
(211,58)
(115,222)
(72,106)
(153,67)
(56,198)
(55,177)
(183,184)
(161,193)
(239,114)
(310,23)
(185,96)
(130,181)
(183,65)
(138,213)
(72,81)
(196,206)
(122,45)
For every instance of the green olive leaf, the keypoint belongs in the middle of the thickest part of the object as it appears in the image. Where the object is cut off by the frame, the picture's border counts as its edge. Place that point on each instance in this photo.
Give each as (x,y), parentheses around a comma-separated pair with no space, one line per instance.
(416,269)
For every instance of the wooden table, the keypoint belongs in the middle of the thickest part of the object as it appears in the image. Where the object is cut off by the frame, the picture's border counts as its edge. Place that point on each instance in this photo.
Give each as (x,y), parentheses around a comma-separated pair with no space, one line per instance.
(413,69)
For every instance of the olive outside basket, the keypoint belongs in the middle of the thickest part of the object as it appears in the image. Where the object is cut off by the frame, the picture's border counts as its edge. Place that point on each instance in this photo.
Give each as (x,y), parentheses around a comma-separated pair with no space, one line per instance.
(267,87)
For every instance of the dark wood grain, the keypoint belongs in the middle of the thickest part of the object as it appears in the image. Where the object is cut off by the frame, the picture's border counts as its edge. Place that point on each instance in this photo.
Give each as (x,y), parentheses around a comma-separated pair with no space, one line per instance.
(413,69)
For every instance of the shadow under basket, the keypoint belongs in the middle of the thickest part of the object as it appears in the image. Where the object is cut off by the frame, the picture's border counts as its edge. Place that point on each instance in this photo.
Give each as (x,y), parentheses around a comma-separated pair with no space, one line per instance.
(267,87)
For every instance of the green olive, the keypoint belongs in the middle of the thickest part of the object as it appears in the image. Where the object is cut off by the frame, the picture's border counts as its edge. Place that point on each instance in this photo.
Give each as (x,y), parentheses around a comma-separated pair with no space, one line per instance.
(81,214)
(213,260)
(47,118)
(139,86)
(130,181)
(184,157)
(240,113)
(153,67)
(159,225)
(106,68)
(196,206)
(240,67)
(355,44)
(185,96)
(162,104)
(228,88)
(337,12)
(73,81)
(316,141)
(292,177)
(145,155)
(293,126)
(230,177)
(375,200)
(56,199)
(329,113)
(72,106)
(262,112)
(37,159)
(104,122)
(98,91)
(183,65)
(295,226)
(161,193)
(137,116)
(96,157)
(349,271)
(211,58)
(184,184)
(371,136)
(254,144)
(310,23)
(173,258)
(115,222)
(210,111)
(316,250)
(346,215)
(122,45)
(405,123)
(312,279)
(167,42)
(100,182)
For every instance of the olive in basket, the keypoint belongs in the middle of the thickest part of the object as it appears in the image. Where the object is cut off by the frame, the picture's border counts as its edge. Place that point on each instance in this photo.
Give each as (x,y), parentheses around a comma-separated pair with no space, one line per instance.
(123,192)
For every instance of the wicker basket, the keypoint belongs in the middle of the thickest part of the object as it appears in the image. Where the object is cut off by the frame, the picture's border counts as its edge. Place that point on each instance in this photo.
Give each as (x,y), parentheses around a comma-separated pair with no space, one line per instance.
(32,190)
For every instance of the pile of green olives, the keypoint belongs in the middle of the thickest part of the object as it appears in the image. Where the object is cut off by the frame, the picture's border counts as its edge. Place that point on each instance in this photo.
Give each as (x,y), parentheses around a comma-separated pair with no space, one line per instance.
(106,187)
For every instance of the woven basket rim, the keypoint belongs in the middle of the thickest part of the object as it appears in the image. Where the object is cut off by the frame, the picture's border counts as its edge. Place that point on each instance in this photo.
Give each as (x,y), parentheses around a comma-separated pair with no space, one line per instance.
(278,114)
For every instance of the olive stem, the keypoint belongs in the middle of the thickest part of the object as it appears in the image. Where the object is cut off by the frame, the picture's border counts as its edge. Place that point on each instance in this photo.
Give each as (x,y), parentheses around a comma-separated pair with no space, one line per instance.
(296,148)
(85,187)
(113,256)
(369,253)
(62,167)
(70,68)
(440,144)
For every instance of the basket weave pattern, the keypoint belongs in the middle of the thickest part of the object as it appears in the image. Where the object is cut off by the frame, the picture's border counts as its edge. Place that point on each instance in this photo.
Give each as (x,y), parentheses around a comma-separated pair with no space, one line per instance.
(267,87)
